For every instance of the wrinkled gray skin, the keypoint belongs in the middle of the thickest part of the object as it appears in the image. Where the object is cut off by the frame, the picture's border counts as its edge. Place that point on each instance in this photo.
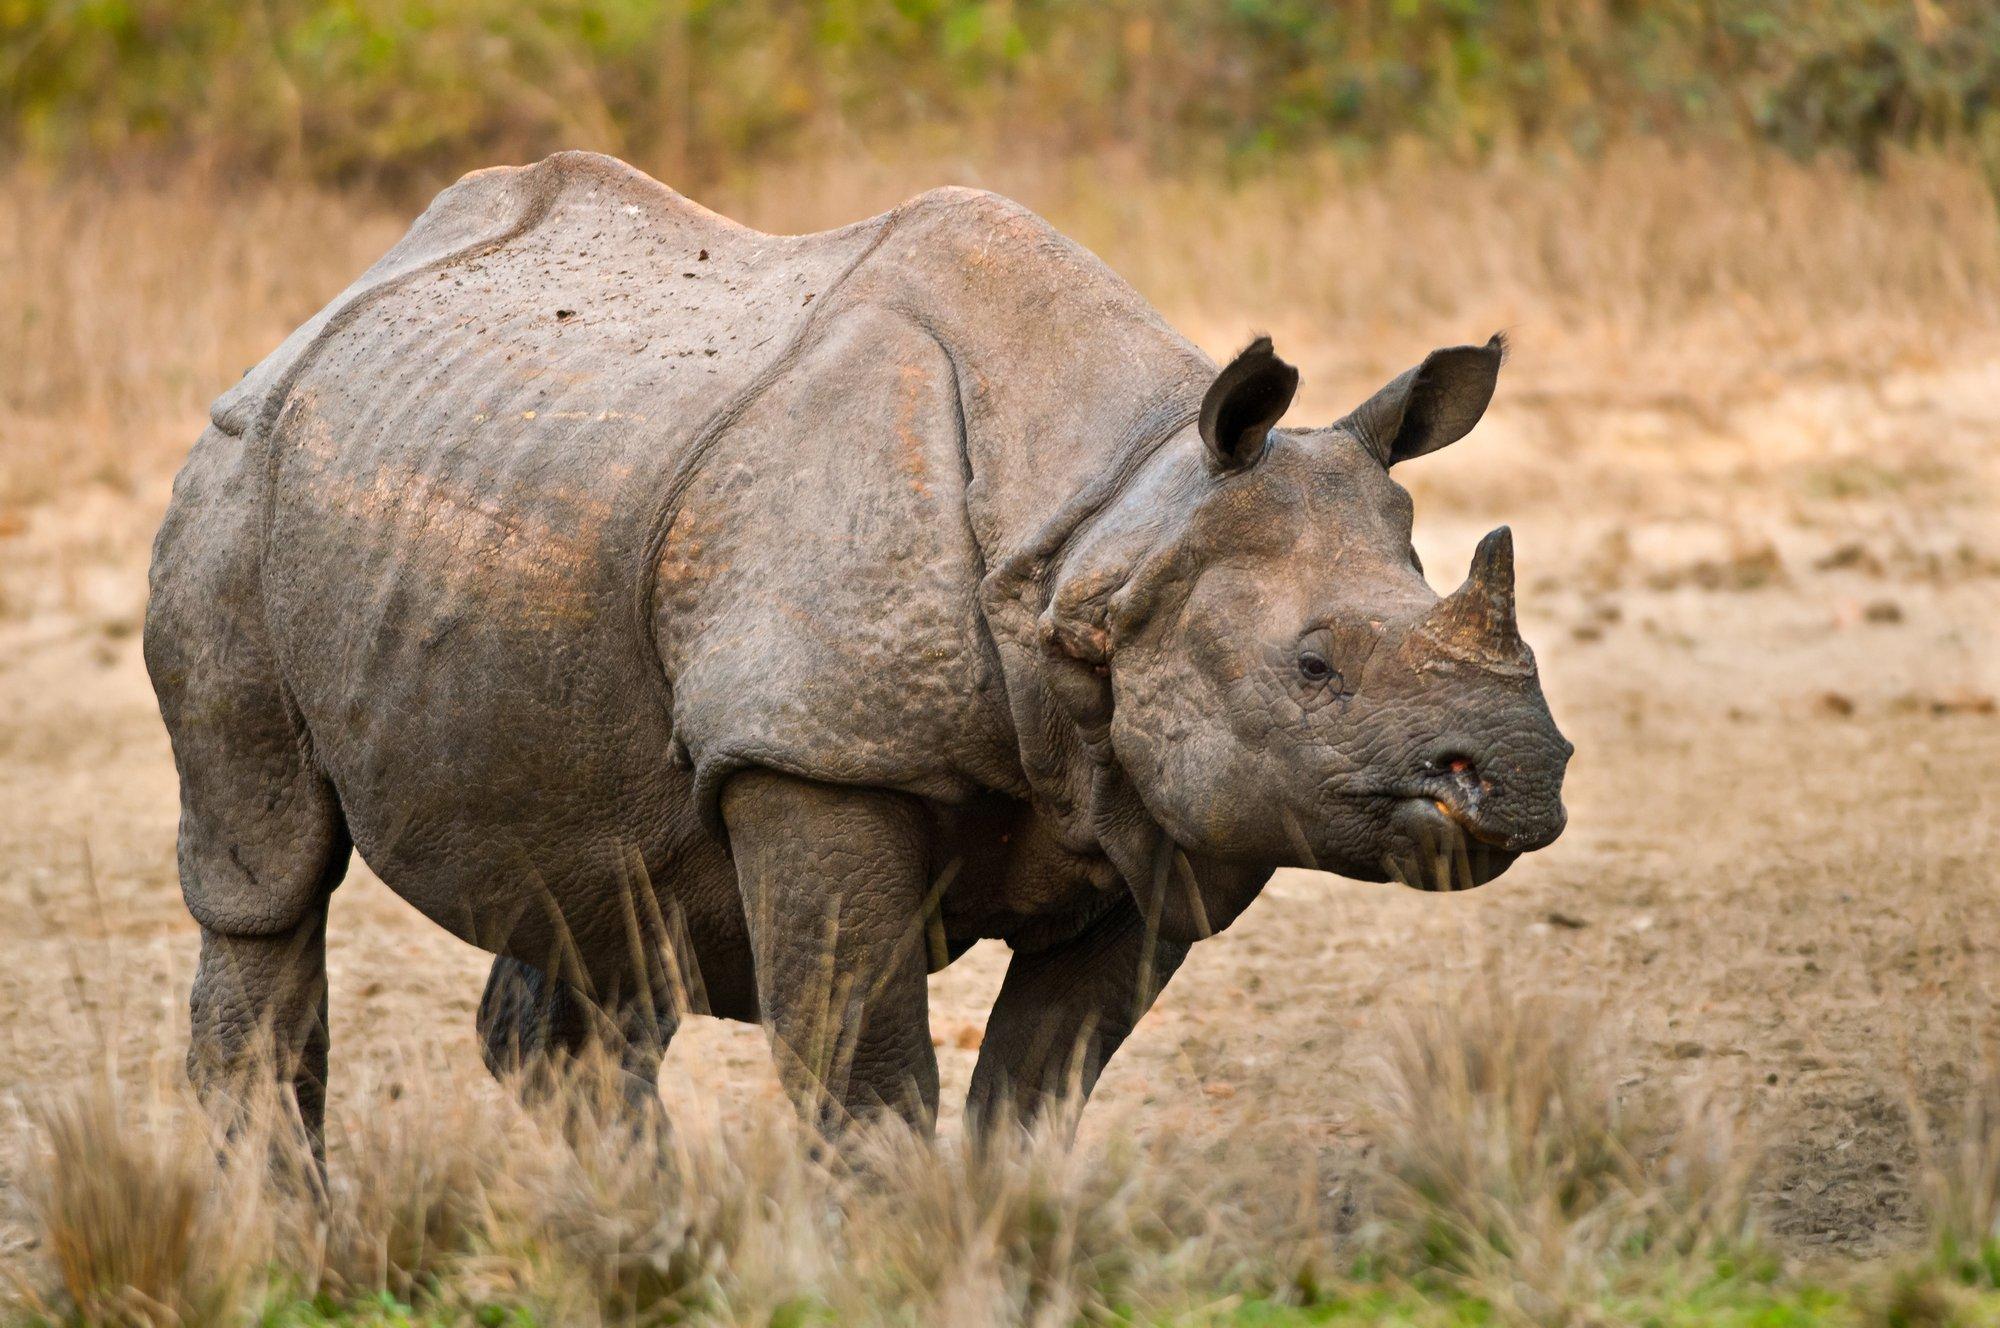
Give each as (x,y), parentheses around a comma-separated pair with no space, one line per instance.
(703,619)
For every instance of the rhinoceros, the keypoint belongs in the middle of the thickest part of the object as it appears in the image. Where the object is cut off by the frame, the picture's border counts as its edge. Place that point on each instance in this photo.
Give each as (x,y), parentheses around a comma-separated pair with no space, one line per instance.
(705,620)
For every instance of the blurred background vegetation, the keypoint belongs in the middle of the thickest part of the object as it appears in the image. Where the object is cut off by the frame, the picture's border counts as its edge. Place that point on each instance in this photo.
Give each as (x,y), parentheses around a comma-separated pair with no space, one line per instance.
(1674,200)
(392,92)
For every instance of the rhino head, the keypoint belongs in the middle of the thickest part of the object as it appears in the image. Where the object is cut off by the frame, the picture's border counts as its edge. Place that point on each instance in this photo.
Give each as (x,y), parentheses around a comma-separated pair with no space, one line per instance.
(1275,679)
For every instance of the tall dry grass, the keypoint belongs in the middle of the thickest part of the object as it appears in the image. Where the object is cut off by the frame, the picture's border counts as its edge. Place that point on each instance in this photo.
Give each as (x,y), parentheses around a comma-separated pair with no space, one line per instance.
(1502,1163)
(138,1219)
(1509,1159)
(130,305)
(1691,269)
(449,1199)
(1643,272)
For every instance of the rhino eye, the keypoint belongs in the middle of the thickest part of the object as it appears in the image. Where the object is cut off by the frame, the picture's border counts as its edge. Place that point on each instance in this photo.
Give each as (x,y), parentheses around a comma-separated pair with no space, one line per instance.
(1314,668)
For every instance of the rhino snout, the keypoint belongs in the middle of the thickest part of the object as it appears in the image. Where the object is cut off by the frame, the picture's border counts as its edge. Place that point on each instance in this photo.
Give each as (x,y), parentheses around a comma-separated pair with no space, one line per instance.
(1472,807)
(1502,803)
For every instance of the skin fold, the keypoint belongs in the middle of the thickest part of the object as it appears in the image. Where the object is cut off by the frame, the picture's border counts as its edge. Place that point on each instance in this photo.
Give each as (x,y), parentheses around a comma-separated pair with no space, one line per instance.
(709,621)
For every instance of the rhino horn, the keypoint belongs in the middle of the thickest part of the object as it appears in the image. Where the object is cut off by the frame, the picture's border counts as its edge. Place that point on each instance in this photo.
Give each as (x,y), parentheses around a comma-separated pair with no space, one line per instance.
(1476,621)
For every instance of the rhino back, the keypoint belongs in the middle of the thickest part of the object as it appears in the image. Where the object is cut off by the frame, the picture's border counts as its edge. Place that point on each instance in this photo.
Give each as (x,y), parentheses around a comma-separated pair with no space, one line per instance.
(468,464)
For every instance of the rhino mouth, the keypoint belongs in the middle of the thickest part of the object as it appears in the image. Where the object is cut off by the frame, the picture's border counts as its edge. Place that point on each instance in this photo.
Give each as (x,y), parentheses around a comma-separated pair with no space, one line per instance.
(1441,849)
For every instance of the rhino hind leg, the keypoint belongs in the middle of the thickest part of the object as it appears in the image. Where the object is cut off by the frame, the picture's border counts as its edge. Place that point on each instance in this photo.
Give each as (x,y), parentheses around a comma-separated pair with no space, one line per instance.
(258,1013)
(262,847)
(537,1032)
(262,839)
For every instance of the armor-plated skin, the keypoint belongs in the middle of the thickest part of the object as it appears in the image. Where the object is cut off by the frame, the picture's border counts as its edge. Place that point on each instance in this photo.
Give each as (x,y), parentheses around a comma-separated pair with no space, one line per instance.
(697,618)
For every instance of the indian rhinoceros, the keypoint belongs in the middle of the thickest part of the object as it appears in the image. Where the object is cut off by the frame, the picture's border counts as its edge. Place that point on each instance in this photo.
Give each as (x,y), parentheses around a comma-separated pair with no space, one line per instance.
(700,619)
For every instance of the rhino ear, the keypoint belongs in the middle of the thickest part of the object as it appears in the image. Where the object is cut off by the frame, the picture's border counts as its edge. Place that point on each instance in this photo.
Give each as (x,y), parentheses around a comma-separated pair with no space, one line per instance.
(1250,395)
(1425,408)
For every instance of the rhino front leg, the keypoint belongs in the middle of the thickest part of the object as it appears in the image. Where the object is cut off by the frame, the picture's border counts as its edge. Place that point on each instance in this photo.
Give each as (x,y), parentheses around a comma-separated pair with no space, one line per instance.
(835,883)
(1063,1011)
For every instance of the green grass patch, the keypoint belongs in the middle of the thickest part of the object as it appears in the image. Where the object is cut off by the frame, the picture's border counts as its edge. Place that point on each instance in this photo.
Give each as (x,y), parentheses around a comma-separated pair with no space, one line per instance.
(1863,1296)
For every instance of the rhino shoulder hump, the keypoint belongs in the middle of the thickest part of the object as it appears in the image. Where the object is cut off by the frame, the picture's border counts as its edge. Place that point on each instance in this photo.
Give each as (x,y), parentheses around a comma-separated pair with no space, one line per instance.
(974,208)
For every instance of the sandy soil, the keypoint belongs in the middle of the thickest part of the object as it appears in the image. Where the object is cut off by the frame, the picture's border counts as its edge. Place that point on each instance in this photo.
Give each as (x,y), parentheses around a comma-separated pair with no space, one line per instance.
(1771,633)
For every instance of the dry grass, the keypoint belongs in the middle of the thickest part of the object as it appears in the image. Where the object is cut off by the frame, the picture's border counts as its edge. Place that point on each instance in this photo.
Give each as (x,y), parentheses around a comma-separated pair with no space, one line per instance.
(1508,1158)
(1502,1165)
(136,1220)
(447,1198)
(1502,1159)
(128,307)
(1648,267)
(417,1206)
(125,307)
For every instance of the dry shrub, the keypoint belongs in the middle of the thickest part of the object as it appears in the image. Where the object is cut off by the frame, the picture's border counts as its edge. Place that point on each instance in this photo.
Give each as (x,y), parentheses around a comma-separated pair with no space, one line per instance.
(1506,1156)
(136,1219)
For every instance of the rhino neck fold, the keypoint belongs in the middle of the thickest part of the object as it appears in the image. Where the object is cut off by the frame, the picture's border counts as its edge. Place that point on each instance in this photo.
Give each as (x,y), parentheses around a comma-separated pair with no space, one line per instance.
(1039,485)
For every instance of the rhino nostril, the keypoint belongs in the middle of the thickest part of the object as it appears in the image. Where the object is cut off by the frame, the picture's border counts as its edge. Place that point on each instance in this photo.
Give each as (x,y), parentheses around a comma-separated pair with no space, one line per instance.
(1454,762)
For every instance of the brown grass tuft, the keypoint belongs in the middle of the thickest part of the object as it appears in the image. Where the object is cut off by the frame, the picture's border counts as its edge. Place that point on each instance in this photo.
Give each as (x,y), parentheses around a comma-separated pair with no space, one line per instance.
(619,1221)
(1507,1157)
(1021,1229)
(409,1194)
(136,1219)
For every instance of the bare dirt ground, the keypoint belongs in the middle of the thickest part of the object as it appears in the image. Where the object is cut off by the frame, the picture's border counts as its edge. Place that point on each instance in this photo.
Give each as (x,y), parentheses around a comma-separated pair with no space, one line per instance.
(1772,631)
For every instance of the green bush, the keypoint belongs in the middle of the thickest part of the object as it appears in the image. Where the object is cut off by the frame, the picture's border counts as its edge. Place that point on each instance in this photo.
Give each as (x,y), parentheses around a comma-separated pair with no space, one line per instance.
(1878,77)
(377,89)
